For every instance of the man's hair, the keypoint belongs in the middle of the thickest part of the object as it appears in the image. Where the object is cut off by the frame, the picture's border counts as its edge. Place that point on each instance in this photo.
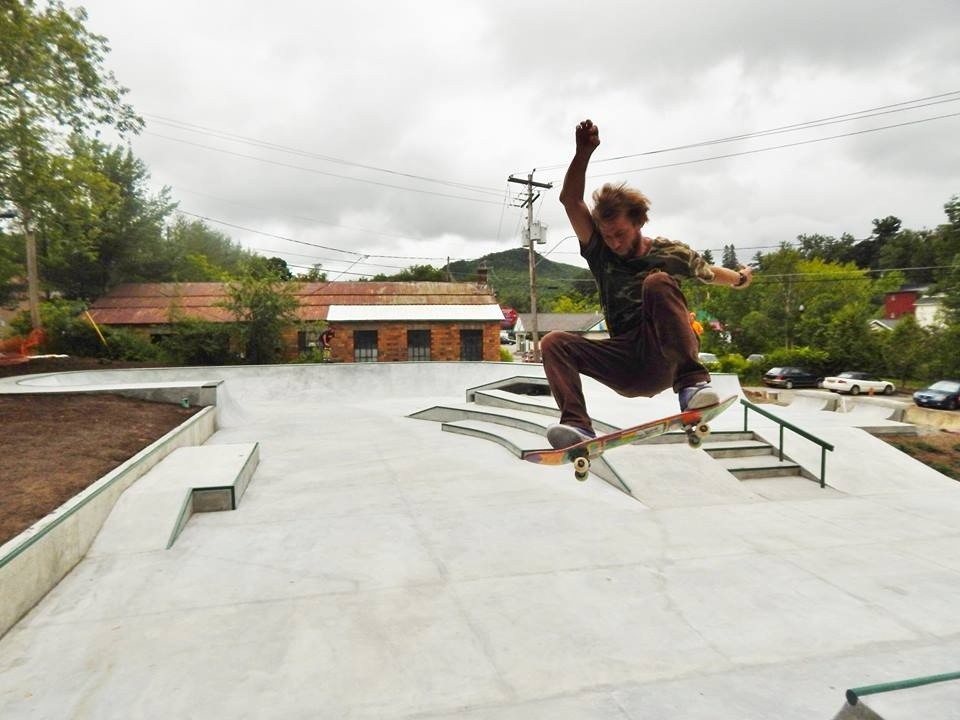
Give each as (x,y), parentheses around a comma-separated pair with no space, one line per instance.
(611,201)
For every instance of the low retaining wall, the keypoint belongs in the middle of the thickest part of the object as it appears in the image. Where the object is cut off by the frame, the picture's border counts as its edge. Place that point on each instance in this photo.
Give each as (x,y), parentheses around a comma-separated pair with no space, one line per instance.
(32,563)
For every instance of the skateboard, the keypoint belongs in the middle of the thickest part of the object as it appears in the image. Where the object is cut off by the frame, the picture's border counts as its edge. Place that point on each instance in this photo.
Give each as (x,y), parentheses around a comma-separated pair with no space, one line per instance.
(693,422)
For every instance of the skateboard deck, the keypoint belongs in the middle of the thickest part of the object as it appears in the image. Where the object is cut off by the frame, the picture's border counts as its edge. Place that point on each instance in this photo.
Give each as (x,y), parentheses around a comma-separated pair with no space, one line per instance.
(692,422)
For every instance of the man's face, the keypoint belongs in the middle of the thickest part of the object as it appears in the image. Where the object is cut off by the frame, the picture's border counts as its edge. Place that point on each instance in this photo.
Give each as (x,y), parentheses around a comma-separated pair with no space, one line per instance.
(620,235)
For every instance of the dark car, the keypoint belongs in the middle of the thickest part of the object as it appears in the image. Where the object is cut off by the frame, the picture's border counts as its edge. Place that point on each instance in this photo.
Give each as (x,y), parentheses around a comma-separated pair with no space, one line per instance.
(791,377)
(943,394)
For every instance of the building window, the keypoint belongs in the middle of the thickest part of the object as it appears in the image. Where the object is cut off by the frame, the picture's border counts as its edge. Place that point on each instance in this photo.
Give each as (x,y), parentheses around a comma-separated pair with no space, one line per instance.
(307,340)
(418,344)
(365,345)
(471,344)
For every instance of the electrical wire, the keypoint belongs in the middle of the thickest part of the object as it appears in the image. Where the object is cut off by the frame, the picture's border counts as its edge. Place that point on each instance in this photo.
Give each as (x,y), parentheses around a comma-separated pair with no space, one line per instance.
(296,217)
(777,147)
(190,127)
(304,242)
(321,172)
(819,122)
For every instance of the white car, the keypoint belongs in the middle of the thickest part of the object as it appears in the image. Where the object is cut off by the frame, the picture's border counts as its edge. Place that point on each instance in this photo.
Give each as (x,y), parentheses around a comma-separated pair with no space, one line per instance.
(709,361)
(858,382)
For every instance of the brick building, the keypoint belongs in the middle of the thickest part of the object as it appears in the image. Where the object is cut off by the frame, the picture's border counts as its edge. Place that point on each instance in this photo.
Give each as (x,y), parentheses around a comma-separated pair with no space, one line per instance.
(370,321)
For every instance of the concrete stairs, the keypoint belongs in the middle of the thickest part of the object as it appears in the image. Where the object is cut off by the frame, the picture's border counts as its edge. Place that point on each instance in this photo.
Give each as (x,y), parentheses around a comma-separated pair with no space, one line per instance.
(744,455)
(515,413)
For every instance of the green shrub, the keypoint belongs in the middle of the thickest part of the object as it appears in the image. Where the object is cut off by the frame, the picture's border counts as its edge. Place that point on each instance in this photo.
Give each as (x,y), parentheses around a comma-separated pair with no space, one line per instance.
(68,332)
(125,344)
(505,355)
(196,342)
(313,355)
(733,363)
(817,361)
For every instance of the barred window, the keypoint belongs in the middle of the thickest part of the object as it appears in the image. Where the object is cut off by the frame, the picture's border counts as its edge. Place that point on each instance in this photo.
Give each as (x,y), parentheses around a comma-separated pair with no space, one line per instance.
(471,344)
(365,345)
(418,344)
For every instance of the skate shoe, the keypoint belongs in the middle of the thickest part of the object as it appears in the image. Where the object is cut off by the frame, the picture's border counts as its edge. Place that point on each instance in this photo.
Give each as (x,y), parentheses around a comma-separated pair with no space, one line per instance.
(697,396)
(561,436)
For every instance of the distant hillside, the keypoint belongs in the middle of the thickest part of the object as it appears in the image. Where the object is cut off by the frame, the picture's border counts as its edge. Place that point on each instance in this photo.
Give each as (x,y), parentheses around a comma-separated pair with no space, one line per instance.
(510,277)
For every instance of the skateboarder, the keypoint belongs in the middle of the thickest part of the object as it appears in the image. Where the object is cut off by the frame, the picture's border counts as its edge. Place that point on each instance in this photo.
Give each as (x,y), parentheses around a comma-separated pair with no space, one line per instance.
(651,345)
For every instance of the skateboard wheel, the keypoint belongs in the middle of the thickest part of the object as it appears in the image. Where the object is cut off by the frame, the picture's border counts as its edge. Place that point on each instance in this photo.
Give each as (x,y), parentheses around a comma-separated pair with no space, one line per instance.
(694,441)
(703,429)
(580,467)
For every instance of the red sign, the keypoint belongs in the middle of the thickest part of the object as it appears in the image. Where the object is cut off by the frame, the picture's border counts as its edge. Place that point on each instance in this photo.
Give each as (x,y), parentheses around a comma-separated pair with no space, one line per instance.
(509,317)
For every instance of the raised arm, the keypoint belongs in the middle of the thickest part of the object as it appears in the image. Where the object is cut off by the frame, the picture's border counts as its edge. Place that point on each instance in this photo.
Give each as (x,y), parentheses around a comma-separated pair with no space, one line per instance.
(574,182)
(737,279)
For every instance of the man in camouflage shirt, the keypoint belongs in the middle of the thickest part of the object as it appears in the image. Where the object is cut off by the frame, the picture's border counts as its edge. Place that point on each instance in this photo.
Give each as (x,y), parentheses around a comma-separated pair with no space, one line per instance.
(651,345)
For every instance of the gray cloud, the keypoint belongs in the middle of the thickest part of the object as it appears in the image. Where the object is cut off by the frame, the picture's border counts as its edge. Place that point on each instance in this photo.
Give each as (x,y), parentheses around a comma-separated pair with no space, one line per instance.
(471,92)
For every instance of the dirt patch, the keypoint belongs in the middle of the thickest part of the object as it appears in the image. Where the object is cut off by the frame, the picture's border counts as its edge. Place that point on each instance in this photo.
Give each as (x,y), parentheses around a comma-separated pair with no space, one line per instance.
(67,364)
(53,446)
(938,450)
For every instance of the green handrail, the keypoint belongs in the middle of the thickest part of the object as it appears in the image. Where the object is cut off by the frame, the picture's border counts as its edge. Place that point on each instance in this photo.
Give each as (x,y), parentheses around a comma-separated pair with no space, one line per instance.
(824,446)
(854,694)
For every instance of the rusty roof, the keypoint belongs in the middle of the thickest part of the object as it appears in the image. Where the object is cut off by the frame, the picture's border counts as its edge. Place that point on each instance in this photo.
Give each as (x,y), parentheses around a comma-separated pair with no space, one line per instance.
(160,303)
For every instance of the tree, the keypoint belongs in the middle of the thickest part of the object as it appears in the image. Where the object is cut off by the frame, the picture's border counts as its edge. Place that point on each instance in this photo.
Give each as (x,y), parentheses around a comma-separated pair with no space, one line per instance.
(314,274)
(264,307)
(906,349)
(272,268)
(574,304)
(11,264)
(416,273)
(730,259)
(193,252)
(52,84)
(102,227)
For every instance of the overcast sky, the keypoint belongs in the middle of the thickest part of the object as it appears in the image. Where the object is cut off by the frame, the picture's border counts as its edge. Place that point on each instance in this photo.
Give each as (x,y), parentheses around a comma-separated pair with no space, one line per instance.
(388,128)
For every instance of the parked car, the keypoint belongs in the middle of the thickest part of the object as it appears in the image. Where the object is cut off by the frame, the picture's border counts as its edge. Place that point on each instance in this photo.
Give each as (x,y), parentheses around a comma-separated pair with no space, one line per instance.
(857,382)
(791,377)
(755,358)
(709,361)
(942,394)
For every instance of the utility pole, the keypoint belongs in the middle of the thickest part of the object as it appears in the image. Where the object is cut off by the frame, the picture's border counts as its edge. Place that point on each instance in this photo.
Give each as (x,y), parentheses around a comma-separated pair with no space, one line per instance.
(528,203)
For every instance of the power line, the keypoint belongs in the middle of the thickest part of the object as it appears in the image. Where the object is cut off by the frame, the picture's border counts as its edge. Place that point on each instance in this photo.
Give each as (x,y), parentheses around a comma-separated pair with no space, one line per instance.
(200,129)
(778,147)
(304,242)
(822,122)
(321,260)
(321,172)
(296,217)
(846,117)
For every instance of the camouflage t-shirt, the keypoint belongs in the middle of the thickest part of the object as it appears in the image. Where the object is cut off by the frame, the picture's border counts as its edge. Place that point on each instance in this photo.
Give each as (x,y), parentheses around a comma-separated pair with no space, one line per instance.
(620,280)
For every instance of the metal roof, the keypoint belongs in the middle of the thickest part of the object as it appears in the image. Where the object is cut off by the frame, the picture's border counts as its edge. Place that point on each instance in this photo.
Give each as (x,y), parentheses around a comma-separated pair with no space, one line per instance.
(160,303)
(387,313)
(569,322)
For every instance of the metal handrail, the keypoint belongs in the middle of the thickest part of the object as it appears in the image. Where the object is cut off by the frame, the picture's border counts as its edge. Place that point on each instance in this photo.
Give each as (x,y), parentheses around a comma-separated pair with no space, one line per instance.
(824,445)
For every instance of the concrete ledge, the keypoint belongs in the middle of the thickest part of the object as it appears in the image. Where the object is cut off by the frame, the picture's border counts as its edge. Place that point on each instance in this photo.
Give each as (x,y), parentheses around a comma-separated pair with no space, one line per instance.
(152,514)
(931,417)
(33,562)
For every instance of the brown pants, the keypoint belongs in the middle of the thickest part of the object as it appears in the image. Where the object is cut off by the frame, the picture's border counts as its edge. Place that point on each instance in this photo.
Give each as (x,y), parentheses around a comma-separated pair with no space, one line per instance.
(660,353)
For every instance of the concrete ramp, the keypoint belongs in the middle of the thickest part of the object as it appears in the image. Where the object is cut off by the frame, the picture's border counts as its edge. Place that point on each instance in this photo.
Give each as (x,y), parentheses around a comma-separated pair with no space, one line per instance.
(151,514)
(378,567)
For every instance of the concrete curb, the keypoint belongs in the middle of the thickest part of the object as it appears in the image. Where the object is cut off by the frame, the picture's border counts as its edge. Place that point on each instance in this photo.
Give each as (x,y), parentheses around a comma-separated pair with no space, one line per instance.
(32,563)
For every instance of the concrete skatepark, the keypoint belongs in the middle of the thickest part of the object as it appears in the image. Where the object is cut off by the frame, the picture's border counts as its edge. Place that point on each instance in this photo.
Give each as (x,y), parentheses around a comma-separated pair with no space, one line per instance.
(377,566)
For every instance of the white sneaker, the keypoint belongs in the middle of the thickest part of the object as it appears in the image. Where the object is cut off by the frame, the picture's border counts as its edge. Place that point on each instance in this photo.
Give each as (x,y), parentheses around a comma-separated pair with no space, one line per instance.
(562,436)
(697,396)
